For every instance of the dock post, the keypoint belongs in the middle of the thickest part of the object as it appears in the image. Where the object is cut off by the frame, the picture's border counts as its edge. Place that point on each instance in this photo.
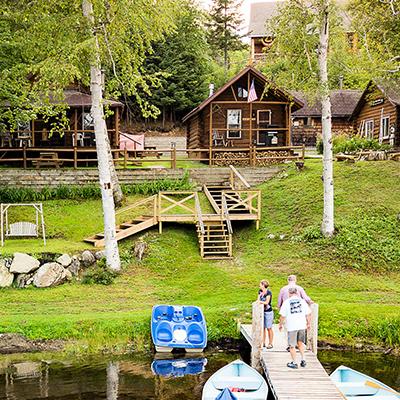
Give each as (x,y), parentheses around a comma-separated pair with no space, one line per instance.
(313,332)
(257,334)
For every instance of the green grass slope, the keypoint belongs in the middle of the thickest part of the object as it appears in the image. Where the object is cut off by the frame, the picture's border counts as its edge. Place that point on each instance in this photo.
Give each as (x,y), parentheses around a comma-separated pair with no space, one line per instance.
(355,277)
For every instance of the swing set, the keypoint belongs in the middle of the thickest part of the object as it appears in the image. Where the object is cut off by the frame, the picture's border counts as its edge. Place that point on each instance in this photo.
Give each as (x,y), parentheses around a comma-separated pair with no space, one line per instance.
(22,228)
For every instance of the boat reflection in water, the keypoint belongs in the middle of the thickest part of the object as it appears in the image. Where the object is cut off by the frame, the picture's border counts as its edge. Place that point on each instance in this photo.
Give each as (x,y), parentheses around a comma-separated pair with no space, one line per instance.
(178,367)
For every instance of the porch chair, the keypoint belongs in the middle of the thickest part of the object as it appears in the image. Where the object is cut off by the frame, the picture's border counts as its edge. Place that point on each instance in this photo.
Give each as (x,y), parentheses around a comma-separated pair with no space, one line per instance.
(218,139)
(24,138)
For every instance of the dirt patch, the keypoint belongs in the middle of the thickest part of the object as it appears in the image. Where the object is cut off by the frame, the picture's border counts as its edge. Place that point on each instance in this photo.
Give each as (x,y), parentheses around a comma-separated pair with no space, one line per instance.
(14,343)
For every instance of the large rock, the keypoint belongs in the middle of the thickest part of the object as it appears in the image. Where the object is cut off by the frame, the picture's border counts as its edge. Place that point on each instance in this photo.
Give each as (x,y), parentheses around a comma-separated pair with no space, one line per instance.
(23,263)
(6,277)
(75,266)
(15,343)
(88,258)
(65,260)
(23,280)
(49,274)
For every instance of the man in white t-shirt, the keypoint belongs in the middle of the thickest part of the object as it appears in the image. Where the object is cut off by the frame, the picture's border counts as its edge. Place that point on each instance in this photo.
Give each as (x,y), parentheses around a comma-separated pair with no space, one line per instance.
(297,315)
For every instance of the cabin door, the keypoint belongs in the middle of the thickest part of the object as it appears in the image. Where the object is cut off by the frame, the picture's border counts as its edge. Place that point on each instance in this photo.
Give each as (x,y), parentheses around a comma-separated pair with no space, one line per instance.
(265,136)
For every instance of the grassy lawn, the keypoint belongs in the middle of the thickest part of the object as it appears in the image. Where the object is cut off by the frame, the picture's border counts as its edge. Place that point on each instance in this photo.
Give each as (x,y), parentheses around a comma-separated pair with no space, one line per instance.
(355,277)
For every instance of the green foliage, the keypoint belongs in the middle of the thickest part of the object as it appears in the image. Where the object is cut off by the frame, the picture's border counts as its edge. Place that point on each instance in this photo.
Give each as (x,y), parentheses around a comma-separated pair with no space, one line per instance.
(182,63)
(20,195)
(292,61)
(223,27)
(344,144)
(99,275)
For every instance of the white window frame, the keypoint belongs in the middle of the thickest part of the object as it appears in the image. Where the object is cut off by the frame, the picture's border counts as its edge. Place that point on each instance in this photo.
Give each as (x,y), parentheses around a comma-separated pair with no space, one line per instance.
(236,128)
(369,134)
(259,121)
(387,118)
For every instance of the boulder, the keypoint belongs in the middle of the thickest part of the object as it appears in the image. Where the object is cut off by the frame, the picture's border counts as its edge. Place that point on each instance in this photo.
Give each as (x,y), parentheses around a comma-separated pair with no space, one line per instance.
(88,258)
(65,260)
(6,277)
(75,266)
(68,274)
(49,274)
(22,280)
(99,254)
(23,263)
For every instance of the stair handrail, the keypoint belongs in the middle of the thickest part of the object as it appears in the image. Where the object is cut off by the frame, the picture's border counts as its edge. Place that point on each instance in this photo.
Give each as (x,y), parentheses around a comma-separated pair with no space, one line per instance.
(199,215)
(225,214)
(139,203)
(236,175)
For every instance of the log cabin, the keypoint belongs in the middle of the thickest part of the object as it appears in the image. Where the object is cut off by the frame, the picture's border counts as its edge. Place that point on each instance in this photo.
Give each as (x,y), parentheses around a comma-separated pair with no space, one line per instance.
(377,113)
(32,139)
(306,122)
(231,119)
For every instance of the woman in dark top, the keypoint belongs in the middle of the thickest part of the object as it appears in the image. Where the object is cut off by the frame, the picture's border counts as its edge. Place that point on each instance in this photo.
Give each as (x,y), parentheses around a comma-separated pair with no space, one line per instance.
(265,297)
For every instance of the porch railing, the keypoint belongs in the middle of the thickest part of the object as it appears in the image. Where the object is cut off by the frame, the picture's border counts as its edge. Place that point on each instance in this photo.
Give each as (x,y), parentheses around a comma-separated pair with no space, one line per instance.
(75,157)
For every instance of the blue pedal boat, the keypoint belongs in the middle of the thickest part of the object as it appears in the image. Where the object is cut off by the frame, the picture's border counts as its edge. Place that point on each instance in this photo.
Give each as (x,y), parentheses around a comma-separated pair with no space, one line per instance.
(178,327)
(175,368)
(357,386)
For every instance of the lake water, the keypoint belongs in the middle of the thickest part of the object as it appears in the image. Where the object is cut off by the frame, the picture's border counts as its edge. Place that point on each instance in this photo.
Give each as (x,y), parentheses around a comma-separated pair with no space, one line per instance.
(43,376)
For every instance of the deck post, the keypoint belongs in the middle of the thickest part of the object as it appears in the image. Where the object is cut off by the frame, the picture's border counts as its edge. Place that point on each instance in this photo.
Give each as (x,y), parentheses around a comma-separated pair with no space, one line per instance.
(257,334)
(24,155)
(75,157)
(125,157)
(75,139)
(210,161)
(313,332)
(173,155)
(303,152)
(159,214)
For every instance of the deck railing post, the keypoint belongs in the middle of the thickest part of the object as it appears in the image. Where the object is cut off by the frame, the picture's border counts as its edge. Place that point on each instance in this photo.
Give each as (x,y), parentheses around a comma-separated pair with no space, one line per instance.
(24,155)
(313,331)
(173,155)
(125,157)
(303,152)
(257,331)
(75,157)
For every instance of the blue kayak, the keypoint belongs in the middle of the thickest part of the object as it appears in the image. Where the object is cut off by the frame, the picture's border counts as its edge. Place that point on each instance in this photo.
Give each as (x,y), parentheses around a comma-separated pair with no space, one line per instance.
(178,367)
(357,386)
(178,327)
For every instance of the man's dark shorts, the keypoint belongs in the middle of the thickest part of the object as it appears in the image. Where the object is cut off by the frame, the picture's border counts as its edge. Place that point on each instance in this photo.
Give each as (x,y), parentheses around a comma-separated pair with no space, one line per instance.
(296,336)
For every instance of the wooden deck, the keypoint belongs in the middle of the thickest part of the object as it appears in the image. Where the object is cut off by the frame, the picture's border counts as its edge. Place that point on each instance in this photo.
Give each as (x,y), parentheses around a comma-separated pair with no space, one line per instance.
(308,383)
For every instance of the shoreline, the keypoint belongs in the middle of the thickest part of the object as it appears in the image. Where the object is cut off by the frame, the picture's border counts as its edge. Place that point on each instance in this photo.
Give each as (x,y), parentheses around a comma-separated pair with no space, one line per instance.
(14,344)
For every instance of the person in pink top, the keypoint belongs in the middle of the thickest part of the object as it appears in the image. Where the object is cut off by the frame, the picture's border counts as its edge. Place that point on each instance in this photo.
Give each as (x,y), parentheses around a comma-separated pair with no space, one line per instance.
(284,292)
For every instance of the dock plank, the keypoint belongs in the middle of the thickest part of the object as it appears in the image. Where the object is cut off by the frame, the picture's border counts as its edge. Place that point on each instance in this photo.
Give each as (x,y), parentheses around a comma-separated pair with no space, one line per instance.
(308,383)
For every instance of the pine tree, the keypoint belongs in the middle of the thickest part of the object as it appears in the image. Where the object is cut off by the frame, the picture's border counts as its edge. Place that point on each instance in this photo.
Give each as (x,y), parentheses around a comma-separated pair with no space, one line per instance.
(223,29)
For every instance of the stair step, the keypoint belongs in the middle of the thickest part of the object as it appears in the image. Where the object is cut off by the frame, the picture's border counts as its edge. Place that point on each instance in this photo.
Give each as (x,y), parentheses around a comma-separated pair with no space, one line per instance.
(215,247)
(218,257)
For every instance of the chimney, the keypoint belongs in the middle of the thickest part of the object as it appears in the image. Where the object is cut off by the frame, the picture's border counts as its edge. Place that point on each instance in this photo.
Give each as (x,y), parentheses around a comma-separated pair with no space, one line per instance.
(211,88)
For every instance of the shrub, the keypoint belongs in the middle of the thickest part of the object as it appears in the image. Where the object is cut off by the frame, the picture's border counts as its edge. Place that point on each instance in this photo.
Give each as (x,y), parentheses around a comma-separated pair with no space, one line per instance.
(21,195)
(344,144)
(99,274)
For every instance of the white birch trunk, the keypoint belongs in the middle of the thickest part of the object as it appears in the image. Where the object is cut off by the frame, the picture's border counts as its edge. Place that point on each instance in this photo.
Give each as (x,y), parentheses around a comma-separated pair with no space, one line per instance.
(100,128)
(112,381)
(328,215)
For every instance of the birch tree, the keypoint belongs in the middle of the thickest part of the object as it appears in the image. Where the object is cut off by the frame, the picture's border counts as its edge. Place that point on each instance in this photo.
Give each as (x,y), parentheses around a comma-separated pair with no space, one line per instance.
(328,214)
(59,42)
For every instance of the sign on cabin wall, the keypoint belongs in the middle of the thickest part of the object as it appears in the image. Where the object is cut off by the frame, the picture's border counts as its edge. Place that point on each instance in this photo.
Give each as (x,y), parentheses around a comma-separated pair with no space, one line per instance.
(376,102)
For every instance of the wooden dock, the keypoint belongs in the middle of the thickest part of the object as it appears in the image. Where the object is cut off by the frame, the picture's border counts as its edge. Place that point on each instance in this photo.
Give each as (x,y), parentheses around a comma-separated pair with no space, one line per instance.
(309,383)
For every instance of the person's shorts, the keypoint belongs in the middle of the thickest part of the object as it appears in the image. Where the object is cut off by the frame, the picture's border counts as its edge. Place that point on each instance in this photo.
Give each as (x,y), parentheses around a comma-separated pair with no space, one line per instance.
(296,336)
(268,319)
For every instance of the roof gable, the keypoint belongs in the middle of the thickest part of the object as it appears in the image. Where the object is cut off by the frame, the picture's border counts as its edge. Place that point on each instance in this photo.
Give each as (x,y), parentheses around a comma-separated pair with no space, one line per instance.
(257,75)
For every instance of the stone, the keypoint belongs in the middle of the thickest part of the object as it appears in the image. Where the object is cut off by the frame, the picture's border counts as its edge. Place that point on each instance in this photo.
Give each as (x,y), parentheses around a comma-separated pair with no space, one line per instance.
(68,274)
(15,343)
(49,274)
(282,236)
(23,263)
(65,260)
(75,266)
(139,250)
(88,258)
(6,277)
(271,236)
(100,254)
(22,280)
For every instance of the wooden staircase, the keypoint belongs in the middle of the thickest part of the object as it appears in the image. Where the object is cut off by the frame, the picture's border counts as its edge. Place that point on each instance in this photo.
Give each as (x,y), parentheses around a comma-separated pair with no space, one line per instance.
(216,242)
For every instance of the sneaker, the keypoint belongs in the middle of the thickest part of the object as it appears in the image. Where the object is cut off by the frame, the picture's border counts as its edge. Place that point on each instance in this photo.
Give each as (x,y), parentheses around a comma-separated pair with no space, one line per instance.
(303,363)
(292,365)
(288,348)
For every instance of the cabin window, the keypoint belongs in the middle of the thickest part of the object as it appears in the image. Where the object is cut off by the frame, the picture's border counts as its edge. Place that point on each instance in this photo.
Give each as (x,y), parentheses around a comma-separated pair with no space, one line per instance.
(242,92)
(385,122)
(87,121)
(369,129)
(234,124)
(264,117)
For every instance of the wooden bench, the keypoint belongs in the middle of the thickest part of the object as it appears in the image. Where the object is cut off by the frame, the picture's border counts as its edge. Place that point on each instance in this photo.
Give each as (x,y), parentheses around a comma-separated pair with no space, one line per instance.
(48,159)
